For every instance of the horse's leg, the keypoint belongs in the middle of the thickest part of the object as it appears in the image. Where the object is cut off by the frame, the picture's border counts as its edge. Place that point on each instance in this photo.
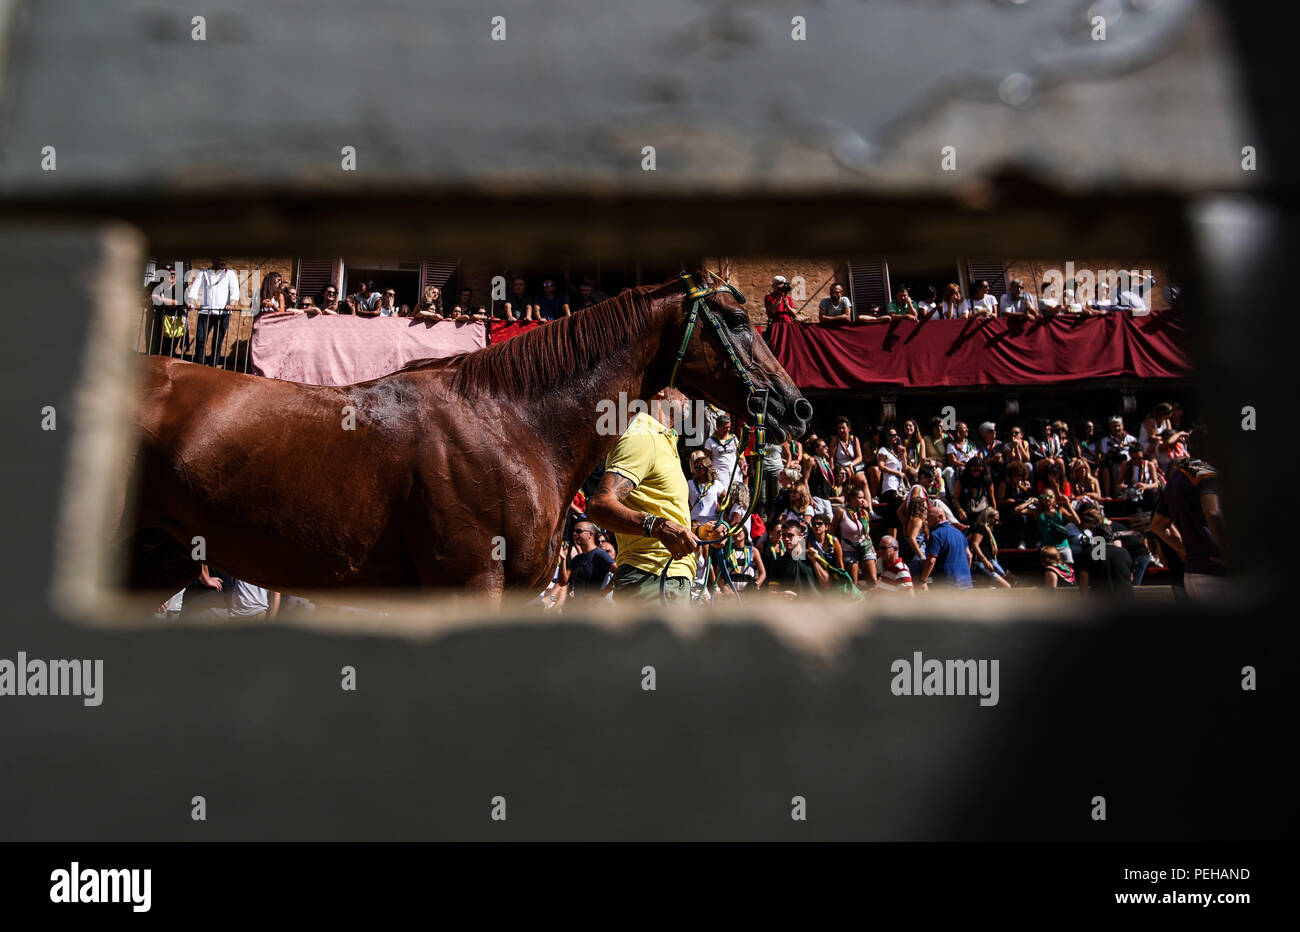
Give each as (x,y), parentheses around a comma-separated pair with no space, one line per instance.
(488,585)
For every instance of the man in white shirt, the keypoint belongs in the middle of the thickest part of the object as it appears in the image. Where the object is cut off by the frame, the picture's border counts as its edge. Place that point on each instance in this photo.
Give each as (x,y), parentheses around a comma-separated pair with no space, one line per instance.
(980,303)
(251,603)
(367,299)
(1130,295)
(215,292)
(721,446)
(1016,302)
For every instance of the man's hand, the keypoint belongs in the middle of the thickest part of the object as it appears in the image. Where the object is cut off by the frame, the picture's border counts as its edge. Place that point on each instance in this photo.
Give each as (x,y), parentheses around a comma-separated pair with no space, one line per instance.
(679,540)
(213,582)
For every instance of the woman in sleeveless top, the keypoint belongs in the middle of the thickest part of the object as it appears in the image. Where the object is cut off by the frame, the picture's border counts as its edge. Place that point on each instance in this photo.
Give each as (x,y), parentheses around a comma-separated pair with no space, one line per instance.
(911,542)
(821,540)
(817,473)
(743,564)
(913,448)
(847,451)
(852,525)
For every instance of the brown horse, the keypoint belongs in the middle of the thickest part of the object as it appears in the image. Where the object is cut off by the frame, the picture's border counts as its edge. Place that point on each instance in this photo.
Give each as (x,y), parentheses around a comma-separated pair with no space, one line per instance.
(453,472)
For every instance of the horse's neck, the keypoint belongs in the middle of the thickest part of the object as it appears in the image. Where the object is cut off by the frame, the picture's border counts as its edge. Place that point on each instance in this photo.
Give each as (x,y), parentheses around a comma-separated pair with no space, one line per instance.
(638,372)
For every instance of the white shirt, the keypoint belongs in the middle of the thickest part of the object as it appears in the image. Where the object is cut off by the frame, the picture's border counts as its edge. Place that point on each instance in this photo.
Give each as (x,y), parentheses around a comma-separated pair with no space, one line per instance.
(988,303)
(1132,299)
(723,454)
(889,481)
(704,501)
(247,599)
(1021,305)
(214,289)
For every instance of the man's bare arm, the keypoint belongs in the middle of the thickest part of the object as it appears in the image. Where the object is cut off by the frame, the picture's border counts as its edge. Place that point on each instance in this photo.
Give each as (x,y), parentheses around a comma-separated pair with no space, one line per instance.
(608,510)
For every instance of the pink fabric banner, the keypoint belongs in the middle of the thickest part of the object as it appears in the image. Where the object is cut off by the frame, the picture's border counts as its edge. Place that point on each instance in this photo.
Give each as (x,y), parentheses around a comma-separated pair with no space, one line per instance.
(343,349)
(973,353)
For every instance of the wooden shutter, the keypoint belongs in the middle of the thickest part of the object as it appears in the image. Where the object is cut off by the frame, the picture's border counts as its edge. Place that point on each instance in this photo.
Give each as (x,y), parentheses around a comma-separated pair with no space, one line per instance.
(440,272)
(867,285)
(993,271)
(312,275)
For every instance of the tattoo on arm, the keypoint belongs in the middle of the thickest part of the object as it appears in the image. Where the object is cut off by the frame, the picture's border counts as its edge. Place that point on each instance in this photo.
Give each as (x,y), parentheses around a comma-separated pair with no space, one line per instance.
(620,486)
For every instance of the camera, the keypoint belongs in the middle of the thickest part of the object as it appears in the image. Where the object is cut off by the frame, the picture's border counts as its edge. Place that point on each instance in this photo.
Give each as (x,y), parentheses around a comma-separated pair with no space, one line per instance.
(783,287)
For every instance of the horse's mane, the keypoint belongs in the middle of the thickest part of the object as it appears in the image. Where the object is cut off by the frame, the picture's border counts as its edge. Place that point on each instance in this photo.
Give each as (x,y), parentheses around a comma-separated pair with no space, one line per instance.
(540,359)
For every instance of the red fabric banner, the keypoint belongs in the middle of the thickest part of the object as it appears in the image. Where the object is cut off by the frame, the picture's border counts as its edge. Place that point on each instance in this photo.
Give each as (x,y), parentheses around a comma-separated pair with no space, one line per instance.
(503,330)
(985,352)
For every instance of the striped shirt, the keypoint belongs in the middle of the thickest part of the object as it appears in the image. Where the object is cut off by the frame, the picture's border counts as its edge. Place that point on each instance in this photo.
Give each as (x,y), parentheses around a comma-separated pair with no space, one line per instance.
(896,578)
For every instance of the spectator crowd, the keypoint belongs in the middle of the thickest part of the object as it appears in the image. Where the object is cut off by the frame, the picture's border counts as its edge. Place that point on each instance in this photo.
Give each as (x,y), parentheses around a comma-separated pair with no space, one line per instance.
(889,511)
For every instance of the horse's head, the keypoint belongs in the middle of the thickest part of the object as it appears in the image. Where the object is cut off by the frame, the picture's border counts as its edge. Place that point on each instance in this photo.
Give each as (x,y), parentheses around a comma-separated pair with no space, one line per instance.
(728,363)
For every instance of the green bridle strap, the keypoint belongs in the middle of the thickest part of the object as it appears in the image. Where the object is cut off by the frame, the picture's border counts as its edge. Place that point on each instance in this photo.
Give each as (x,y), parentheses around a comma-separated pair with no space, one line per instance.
(698,296)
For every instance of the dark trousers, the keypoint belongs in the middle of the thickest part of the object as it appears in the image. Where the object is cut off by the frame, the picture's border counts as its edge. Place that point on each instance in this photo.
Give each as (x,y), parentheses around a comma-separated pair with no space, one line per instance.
(219,324)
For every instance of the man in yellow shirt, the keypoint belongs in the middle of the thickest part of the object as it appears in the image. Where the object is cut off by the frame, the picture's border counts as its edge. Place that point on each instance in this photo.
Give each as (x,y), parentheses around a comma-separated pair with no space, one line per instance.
(643,499)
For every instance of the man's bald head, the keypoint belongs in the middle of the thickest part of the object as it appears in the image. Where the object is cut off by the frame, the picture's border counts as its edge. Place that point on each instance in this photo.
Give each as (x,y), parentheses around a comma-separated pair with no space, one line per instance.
(934,516)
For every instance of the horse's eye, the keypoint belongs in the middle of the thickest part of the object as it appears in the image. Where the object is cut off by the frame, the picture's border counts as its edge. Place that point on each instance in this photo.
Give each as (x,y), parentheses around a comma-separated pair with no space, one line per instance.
(738,322)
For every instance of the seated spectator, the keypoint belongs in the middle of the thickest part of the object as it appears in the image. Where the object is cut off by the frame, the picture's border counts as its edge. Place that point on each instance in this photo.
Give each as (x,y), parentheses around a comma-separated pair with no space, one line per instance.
(1083,445)
(1016,302)
(1051,516)
(980,303)
(1083,483)
(366,301)
(273,299)
(947,556)
(902,305)
(984,548)
(1153,425)
(1017,448)
(778,303)
(518,305)
(816,471)
(823,542)
(467,309)
(847,452)
(936,442)
(1052,477)
(328,302)
(1172,447)
(789,570)
(1014,490)
(1057,574)
(1131,289)
(430,306)
(800,507)
(836,309)
(786,480)
(744,565)
(950,306)
(957,451)
(591,567)
(1049,304)
(291,300)
(1114,449)
(388,304)
(974,494)
(913,448)
(586,296)
(551,304)
(851,523)
(894,574)
(841,485)
(992,449)
(1140,481)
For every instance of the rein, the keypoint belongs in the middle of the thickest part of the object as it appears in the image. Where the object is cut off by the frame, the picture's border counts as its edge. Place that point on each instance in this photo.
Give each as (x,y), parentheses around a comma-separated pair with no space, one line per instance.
(755,403)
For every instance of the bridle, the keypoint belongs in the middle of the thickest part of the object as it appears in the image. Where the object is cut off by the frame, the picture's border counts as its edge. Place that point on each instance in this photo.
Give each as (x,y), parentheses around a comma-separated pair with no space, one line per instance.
(755,403)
